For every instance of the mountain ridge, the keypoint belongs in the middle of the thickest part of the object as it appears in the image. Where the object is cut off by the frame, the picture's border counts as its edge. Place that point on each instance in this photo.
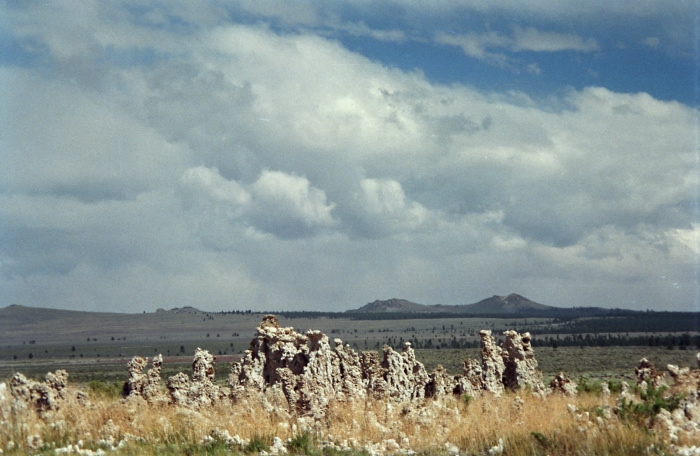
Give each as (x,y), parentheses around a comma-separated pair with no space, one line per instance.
(512,303)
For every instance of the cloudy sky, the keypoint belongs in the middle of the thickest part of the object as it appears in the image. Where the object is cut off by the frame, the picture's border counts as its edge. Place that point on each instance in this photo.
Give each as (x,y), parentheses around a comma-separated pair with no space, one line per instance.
(320,155)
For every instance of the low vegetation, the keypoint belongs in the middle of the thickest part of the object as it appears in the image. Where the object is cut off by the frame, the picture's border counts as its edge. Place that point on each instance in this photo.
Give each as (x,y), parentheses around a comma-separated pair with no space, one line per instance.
(516,423)
(522,424)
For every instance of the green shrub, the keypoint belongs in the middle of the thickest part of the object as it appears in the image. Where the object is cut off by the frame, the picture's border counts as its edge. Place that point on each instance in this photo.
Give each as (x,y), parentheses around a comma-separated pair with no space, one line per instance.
(589,386)
(541,439)
(258,443)
(467,399)
(302,443)
(615,386)
(653,400)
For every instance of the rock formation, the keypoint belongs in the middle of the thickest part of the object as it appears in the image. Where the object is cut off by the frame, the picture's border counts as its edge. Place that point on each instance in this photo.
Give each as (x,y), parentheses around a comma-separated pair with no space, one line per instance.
(201,390)
(684,421)
(563,385)
(520,363)
(492,365)
(405,376)
(471,382)
(307,372)
(43,397)
(305,367)
(441,384)
(144,384)
(647,375)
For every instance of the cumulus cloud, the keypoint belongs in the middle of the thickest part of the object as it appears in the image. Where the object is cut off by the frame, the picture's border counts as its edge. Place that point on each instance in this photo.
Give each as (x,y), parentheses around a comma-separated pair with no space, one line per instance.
(214,186)
(260,166)
(278,203)
(384,209)
(289,204)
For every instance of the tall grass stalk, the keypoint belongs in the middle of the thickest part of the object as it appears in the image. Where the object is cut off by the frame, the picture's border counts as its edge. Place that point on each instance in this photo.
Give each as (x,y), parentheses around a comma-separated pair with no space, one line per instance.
(525,424)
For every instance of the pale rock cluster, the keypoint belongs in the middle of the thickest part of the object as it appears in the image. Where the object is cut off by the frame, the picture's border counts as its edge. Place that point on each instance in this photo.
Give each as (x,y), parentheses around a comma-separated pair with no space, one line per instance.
(200,390)
(563,385)
(44,397)
(510,366)
(309,372)
(146,385)
(647,375)
(306,371)
(684,420)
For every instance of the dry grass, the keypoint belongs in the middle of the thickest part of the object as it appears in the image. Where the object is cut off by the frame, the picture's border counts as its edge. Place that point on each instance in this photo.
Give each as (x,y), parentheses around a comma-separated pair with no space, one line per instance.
(526,424)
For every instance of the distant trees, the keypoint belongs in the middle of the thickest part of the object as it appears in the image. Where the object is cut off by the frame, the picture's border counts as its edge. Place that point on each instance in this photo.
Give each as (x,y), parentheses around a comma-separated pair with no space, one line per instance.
(671,341)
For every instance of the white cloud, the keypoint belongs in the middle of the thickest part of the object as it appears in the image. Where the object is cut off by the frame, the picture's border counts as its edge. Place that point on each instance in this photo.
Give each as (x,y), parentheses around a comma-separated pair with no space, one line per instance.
(276,203)
(687,238)
(478,45)
(483,46)
(215,186)
(286,200)
(652,41)
(387,209)
(361,29)
(531,39)
(282,169)
(59,139)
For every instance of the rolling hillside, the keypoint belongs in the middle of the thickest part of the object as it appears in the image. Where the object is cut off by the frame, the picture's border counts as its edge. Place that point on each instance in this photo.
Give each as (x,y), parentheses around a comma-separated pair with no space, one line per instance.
(513,303)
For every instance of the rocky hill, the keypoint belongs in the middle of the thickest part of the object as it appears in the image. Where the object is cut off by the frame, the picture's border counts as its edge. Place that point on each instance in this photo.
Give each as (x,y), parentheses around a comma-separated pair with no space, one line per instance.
(513,303)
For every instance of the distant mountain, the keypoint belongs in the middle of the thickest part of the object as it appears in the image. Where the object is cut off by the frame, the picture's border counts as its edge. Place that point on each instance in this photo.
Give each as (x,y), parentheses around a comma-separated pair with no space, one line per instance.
(393,305)
(511,304)
(181,310)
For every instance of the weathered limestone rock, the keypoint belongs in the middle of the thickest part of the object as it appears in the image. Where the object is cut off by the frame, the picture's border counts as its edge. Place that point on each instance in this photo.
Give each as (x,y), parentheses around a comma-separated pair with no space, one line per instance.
(520,363)
(472,380)
(563,384)
(406,377)
(491,363)
(685,420)
(137,378)
(373,375)
(440,384)
(201,390)
(144,384)
(179,387)
(305,367)
(42,397)
(309,372)
(272,348)
(351,385)
(5,402)
(647,375)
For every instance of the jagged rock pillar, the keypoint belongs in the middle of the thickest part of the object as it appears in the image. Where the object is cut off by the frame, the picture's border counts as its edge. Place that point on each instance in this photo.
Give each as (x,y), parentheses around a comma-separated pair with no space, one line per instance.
(491,363)
(520,363)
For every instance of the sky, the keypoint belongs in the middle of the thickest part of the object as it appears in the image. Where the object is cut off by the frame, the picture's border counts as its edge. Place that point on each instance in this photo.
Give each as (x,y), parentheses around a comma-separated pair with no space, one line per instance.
(311,155)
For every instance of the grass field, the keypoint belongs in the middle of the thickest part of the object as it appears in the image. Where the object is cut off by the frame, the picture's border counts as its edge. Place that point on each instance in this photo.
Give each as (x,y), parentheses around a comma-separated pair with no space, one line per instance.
(95,354)
(521,425)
